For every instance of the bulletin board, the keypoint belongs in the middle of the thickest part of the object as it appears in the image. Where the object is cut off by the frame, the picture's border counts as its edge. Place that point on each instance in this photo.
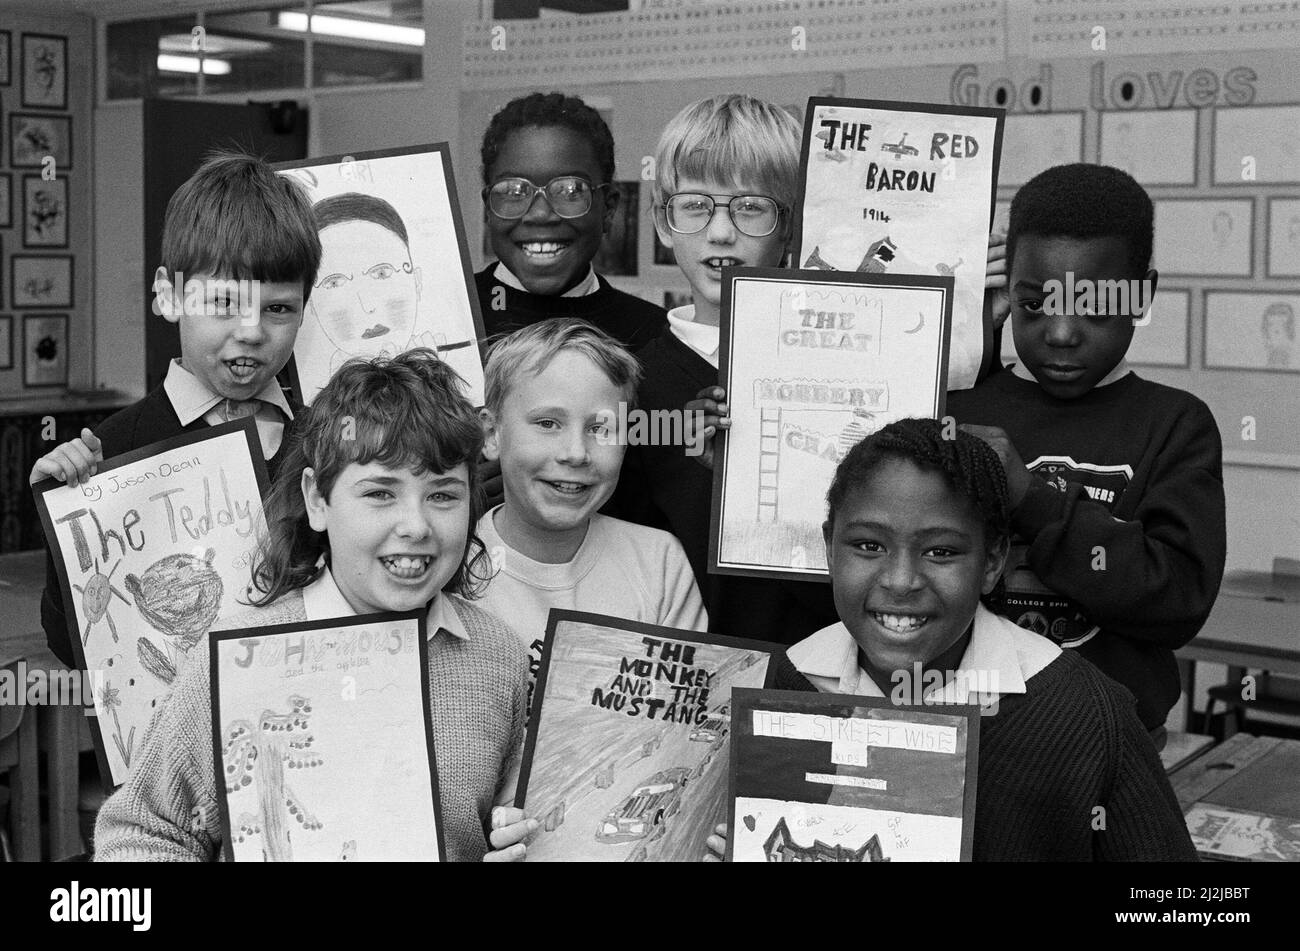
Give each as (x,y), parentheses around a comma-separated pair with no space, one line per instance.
(1196,128)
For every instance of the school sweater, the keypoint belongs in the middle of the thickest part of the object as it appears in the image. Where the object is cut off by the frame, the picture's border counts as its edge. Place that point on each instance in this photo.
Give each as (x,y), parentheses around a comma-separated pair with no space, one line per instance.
(620,569)
(1123,522)
(628,319)
(662,487)
(150,420)
(167,808)
(1066,771)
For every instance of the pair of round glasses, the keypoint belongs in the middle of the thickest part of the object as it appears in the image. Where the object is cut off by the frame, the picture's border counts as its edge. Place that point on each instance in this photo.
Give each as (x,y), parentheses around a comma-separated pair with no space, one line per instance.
(568,195)
(753,215)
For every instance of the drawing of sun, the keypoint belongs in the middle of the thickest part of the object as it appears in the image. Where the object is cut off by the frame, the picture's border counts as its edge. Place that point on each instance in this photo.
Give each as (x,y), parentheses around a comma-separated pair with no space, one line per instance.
(95,599)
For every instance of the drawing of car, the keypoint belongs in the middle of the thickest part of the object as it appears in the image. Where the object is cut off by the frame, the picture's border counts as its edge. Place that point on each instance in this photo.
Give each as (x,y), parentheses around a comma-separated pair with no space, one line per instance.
(713,728)
(899,148)
(643,813)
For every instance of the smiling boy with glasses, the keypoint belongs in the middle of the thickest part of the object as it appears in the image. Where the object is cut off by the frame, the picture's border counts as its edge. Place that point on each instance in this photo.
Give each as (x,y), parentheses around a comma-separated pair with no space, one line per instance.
(548,168)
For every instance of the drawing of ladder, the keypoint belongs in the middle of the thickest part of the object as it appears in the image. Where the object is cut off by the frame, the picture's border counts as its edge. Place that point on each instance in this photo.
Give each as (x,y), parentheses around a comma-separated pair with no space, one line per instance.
(769,463)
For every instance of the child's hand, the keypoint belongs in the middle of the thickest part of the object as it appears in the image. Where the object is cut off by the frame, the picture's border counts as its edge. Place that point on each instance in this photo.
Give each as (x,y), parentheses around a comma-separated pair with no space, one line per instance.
(1017,475)
(711,404)
(995,278)
(73,462)
(510,832)
(716,844)
(489,474)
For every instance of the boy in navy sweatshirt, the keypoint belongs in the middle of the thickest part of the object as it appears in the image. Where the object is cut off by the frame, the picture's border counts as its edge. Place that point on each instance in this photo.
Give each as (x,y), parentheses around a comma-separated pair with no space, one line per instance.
(1115,482)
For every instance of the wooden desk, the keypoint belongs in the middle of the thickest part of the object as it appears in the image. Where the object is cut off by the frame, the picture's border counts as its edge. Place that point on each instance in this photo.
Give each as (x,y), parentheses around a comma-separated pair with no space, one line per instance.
(1244,633)
(22,576)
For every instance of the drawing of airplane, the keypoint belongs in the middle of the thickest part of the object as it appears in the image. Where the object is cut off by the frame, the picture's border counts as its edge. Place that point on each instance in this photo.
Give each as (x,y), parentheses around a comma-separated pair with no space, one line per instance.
(899,148)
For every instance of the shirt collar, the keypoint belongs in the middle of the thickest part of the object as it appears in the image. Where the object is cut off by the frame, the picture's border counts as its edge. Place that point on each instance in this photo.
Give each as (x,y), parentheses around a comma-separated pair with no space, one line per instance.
(191,399)
(701,338)
(1120,371)
(588,285)
(323,600)
(1000,658)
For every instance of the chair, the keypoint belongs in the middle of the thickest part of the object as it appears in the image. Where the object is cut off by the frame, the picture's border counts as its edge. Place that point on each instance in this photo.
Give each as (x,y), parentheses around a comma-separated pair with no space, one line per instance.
(18,758)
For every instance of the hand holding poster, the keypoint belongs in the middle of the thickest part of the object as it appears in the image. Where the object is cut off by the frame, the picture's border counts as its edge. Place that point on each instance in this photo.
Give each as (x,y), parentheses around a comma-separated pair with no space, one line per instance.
(394,270)
(904,188)
(626,753)
(323,741)
(812,363)
(832,778)
(151,553)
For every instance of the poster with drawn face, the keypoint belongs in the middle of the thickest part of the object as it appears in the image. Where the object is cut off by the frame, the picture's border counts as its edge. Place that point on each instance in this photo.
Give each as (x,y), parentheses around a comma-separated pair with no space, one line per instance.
(395,270)
(152,552)
(1251,331)
(626,759)
(904,189)
(323,742)
(812,362)
(833,778)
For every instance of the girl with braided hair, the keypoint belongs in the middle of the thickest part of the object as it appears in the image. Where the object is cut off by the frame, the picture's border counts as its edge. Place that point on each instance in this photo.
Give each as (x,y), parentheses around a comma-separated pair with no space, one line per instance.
(916,534)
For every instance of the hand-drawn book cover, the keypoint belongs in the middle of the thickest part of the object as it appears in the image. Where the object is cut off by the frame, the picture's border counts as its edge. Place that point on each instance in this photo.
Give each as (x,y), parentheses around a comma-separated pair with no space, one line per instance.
(813,362)
(323,743)
(151,552)
(395,269)
(1232,835)
(904,188)
(832,778)
(627,744)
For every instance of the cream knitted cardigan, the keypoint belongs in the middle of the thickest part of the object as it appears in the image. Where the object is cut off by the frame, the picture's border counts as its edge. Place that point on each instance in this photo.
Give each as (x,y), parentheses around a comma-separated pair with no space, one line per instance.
(167,809)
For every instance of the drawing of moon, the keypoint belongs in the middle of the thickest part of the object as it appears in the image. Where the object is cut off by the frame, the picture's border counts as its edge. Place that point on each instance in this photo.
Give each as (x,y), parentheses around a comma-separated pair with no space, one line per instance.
(920,323)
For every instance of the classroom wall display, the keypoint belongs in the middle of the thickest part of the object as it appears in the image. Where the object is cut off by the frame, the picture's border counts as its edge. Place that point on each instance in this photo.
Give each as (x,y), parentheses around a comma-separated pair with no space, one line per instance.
(1283,237)
(33,136)
(818,361)
(834,778)
(1162,338)
(323,740)
(6,57)
(873,202)
(1155,146)
(45,71)
(43,281)
(152,552)
(395,270)
(1250,331)
(6,200)
(1037,141)
(617,254)
(6,342)
(1204,238)
(45,350)
(626,758)
(45,212)
(1248,150)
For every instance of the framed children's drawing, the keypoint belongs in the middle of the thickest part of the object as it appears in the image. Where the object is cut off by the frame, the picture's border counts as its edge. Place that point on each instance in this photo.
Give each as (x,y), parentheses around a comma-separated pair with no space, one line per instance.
(6,200)
(41,281)
(833,778)
(1251,331)
(1283,237)
(45,212)
(45,350)
(626,758)
(323,741)
(152,552)
(395,270)
(1201,238)
(905,188)
(45,71)
(6,342)
(34,137)
(812,362)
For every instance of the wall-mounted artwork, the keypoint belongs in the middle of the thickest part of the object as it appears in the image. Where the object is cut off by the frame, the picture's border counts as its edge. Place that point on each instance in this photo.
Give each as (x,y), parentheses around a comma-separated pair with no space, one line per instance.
(1284,237)
(151,553)
(1249,149)
(626,757)
(819,361)
(45,350)
(617,254)
(6,57)
(395,271)
(6,342)
(1204,238)
(1155,146)
(33,137)
(6,200)
(323,743)
(1161,338)
(45,212)
(1249,331)
(1036,141)
(41,282)
(833,778)
(45,71)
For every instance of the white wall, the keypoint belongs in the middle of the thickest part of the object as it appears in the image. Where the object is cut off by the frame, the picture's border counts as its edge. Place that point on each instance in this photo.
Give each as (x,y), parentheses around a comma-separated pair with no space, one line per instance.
(119,248)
